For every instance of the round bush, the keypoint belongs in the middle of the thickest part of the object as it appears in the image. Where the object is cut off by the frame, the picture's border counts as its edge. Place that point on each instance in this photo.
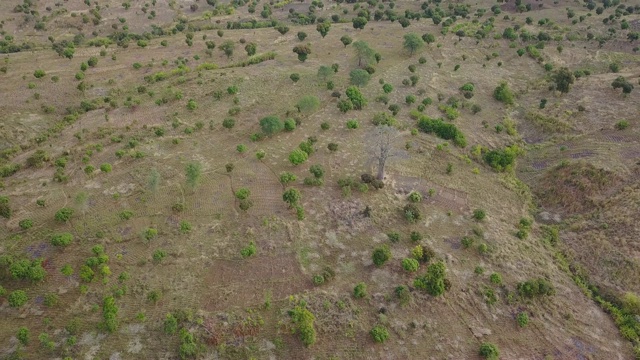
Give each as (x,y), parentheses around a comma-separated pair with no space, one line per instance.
(360,291)
(415,197)
(381,255)
(379,334)
(489,351)
(17,298)
(410,265)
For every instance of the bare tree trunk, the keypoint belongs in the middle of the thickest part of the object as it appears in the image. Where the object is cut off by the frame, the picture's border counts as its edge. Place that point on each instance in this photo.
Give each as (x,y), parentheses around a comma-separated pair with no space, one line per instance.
(381,163)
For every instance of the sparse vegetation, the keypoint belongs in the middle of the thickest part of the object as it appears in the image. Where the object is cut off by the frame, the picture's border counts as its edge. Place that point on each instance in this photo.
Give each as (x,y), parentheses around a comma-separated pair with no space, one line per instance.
(488,149)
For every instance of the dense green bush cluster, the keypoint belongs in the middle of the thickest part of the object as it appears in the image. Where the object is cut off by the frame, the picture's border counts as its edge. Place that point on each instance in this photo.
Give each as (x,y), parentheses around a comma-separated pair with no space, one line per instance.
(26,269)
(109,314)
(433,282)
(304,319)
(62,239)
(502,159)
(443,130)
(535,288)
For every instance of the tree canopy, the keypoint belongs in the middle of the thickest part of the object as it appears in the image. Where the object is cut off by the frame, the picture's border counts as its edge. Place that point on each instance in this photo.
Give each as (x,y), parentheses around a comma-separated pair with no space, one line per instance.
(412,43)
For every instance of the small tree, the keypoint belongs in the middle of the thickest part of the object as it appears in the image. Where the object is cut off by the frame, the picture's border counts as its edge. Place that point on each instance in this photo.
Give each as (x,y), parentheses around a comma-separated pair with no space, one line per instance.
(621,82)
(359,22)
(325,73)
(364,54)
(292,197)
(434,280)
(308,104)
(563,79)
(302,35)
(286,178)
(503,94)
(323,28)
(356,98)
(428,38)
(303,52)
(227,47)
(193,172)
(381,255)
(346,40)
(412,43)
(271,125)
(251,48)
(382,147)
(294,77)
(359,77)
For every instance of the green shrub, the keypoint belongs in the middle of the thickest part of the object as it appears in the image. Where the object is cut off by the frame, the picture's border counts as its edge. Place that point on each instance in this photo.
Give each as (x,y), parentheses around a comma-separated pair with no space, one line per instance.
(360,290)
(286,178)
(467,242)
(185,227)
(291,197)
(412,213)
(17,298)
(248,250)
(393,236)
(39,74)
(415,236)
(170,324)
(106,167)
(64,214)
(433,282)
(289,124)
(410,265)
(381,255)
(304,320)
(503,94)
(495,278)
(26,224)
(523,319)
(61,240)
(150,233)
(159,255)
(125,214)
(415,197)
(479,214)
(535,288)
(489,351)
(271,125)
(109,314)
(443,130)
(403,293)
(66,270)
(23,336)
(51,300)
(622,124)
(27,270)
(522,234)
(379,334)
(502,159)
(352,124)
(297,157)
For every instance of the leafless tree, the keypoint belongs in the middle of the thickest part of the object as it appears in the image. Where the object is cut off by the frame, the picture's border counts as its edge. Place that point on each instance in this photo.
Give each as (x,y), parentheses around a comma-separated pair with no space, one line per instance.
(382,147)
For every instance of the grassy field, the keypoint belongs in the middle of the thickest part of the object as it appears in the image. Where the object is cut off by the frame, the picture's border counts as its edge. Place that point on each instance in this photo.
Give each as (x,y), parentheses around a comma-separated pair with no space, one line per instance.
(168,259)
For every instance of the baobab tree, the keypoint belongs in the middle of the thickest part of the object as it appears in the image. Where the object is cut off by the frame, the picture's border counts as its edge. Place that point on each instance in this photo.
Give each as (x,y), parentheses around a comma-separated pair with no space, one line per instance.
(382,147)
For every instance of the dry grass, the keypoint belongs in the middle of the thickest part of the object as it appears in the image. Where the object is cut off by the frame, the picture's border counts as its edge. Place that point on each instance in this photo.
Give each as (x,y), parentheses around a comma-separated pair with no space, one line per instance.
(203,270)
